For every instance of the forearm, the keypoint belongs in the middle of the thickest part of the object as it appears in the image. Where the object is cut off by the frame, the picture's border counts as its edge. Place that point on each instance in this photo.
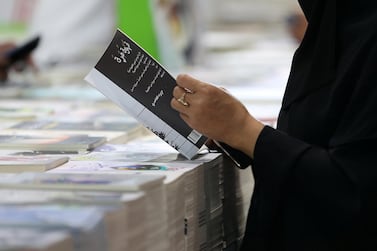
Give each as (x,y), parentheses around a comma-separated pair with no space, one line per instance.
(329,178)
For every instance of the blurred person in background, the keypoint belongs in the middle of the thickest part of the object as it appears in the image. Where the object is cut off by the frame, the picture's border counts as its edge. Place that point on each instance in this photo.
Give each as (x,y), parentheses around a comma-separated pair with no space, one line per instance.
(5,64)
(75,33)
(316,173)
(77,36)
(72,32)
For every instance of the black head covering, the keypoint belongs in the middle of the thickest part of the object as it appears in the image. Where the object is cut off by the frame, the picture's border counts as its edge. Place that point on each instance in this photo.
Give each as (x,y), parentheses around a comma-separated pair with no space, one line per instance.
(339,53)
(317,51)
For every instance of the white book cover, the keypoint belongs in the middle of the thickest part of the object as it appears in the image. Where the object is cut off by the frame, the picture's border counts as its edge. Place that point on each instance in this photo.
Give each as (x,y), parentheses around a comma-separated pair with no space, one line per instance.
(85,224)
(83,181)
(40,163)
(132,79)
(49,143)
(28,197)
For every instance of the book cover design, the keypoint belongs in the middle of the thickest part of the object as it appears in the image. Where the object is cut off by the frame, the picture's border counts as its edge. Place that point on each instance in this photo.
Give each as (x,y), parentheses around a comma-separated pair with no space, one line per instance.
(131,78)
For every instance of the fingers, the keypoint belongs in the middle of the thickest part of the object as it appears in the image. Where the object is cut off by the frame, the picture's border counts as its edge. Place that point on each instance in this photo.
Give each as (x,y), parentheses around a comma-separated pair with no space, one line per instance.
(179,92)
(183,110)
(187,82)
(180,101)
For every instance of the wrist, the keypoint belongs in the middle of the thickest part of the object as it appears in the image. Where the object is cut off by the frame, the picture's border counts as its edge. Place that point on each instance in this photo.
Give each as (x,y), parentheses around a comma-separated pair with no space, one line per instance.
(247,136)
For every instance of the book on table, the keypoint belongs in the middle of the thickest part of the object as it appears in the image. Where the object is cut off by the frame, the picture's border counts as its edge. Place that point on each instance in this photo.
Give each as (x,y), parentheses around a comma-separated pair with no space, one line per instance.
(116,131)
(132,79)
(124,216)
(39,163)
(151,184)
(51,143)
(83,181)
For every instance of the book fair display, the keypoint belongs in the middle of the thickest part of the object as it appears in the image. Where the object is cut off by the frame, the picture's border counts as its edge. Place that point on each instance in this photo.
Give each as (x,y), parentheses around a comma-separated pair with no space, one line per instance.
(94,158)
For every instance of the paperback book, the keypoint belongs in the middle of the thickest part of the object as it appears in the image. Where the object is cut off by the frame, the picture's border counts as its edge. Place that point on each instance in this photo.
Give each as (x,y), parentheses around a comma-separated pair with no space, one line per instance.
(82,181)
(40,163)
(50,143)
(116,131)
(132,79)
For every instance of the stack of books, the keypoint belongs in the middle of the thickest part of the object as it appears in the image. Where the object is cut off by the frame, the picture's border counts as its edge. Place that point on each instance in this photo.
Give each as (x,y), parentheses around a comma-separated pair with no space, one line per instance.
(120,210)
(152,186)
(85,224)
(204,194)
(173,201)
(237,185)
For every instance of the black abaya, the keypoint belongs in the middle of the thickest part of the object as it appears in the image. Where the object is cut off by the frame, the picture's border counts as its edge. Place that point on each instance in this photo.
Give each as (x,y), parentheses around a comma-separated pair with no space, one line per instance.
(316,174)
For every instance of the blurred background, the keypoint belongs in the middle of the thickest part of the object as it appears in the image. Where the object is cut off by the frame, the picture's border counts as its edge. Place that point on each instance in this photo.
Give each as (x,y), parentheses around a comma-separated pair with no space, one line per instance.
(243,45)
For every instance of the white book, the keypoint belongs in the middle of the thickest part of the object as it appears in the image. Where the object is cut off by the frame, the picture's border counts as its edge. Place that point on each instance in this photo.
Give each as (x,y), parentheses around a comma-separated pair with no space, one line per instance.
(152,185)
(132,79)
(85,224)
(83,181)
(24,140)
(124,212)
(171,219)
(39,163)
(118,130)
(26,239)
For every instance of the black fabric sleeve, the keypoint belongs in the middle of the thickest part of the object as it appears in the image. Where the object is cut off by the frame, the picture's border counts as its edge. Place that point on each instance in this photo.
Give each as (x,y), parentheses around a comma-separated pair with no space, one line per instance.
(336,187)
(241,159)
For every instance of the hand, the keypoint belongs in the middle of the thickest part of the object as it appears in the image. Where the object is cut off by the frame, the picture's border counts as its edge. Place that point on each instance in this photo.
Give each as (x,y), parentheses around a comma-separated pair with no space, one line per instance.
(216,114)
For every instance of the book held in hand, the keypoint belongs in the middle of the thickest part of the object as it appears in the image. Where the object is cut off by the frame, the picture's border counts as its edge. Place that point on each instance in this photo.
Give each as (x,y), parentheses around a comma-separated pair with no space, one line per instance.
(132,79)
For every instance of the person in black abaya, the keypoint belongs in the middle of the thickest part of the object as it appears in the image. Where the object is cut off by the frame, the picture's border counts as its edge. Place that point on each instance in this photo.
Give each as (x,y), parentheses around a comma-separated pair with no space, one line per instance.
(316,174)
